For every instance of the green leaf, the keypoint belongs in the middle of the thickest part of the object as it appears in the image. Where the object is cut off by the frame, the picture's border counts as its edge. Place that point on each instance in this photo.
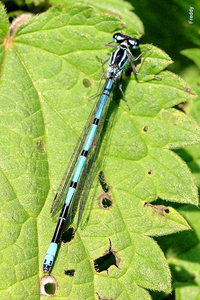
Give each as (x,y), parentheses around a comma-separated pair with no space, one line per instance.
(4,28)
(118,8)
(44,106)
(181,250)
(193,54)
(4,24)
(184,257)
(191,75)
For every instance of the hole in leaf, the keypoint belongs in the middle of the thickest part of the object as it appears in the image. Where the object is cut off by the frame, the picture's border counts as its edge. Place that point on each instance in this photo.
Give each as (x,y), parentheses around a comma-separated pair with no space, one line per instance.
(145,128)
(103,183)
(48,285)
(40,147)
(86,83)
(108,259)
(105,201)
(161,209)
(50,288)
(150,172)
(68,235)
(69,273)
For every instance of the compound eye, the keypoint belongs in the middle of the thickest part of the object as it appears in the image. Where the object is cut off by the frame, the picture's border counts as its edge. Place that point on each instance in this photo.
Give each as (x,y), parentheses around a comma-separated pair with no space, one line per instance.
(134,43)
(118,37)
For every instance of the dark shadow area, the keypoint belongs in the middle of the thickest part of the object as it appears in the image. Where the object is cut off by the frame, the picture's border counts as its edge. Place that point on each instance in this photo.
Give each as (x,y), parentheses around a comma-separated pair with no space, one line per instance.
(50,288)
(166,26)
(177,244)
(181,275)
(70,272)
(48,285)
(189,159)
(162,296)
(68,235)
(104,262)
(102,180)
(105,201)
(180,278)
(16,8)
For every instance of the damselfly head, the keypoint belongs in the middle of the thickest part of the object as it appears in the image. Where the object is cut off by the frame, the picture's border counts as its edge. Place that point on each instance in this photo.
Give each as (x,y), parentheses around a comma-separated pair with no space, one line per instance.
(133,43)
(120,38)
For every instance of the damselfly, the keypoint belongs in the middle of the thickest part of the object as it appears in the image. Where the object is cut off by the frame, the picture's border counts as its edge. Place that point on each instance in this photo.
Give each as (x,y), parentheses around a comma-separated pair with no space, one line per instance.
(78,161)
